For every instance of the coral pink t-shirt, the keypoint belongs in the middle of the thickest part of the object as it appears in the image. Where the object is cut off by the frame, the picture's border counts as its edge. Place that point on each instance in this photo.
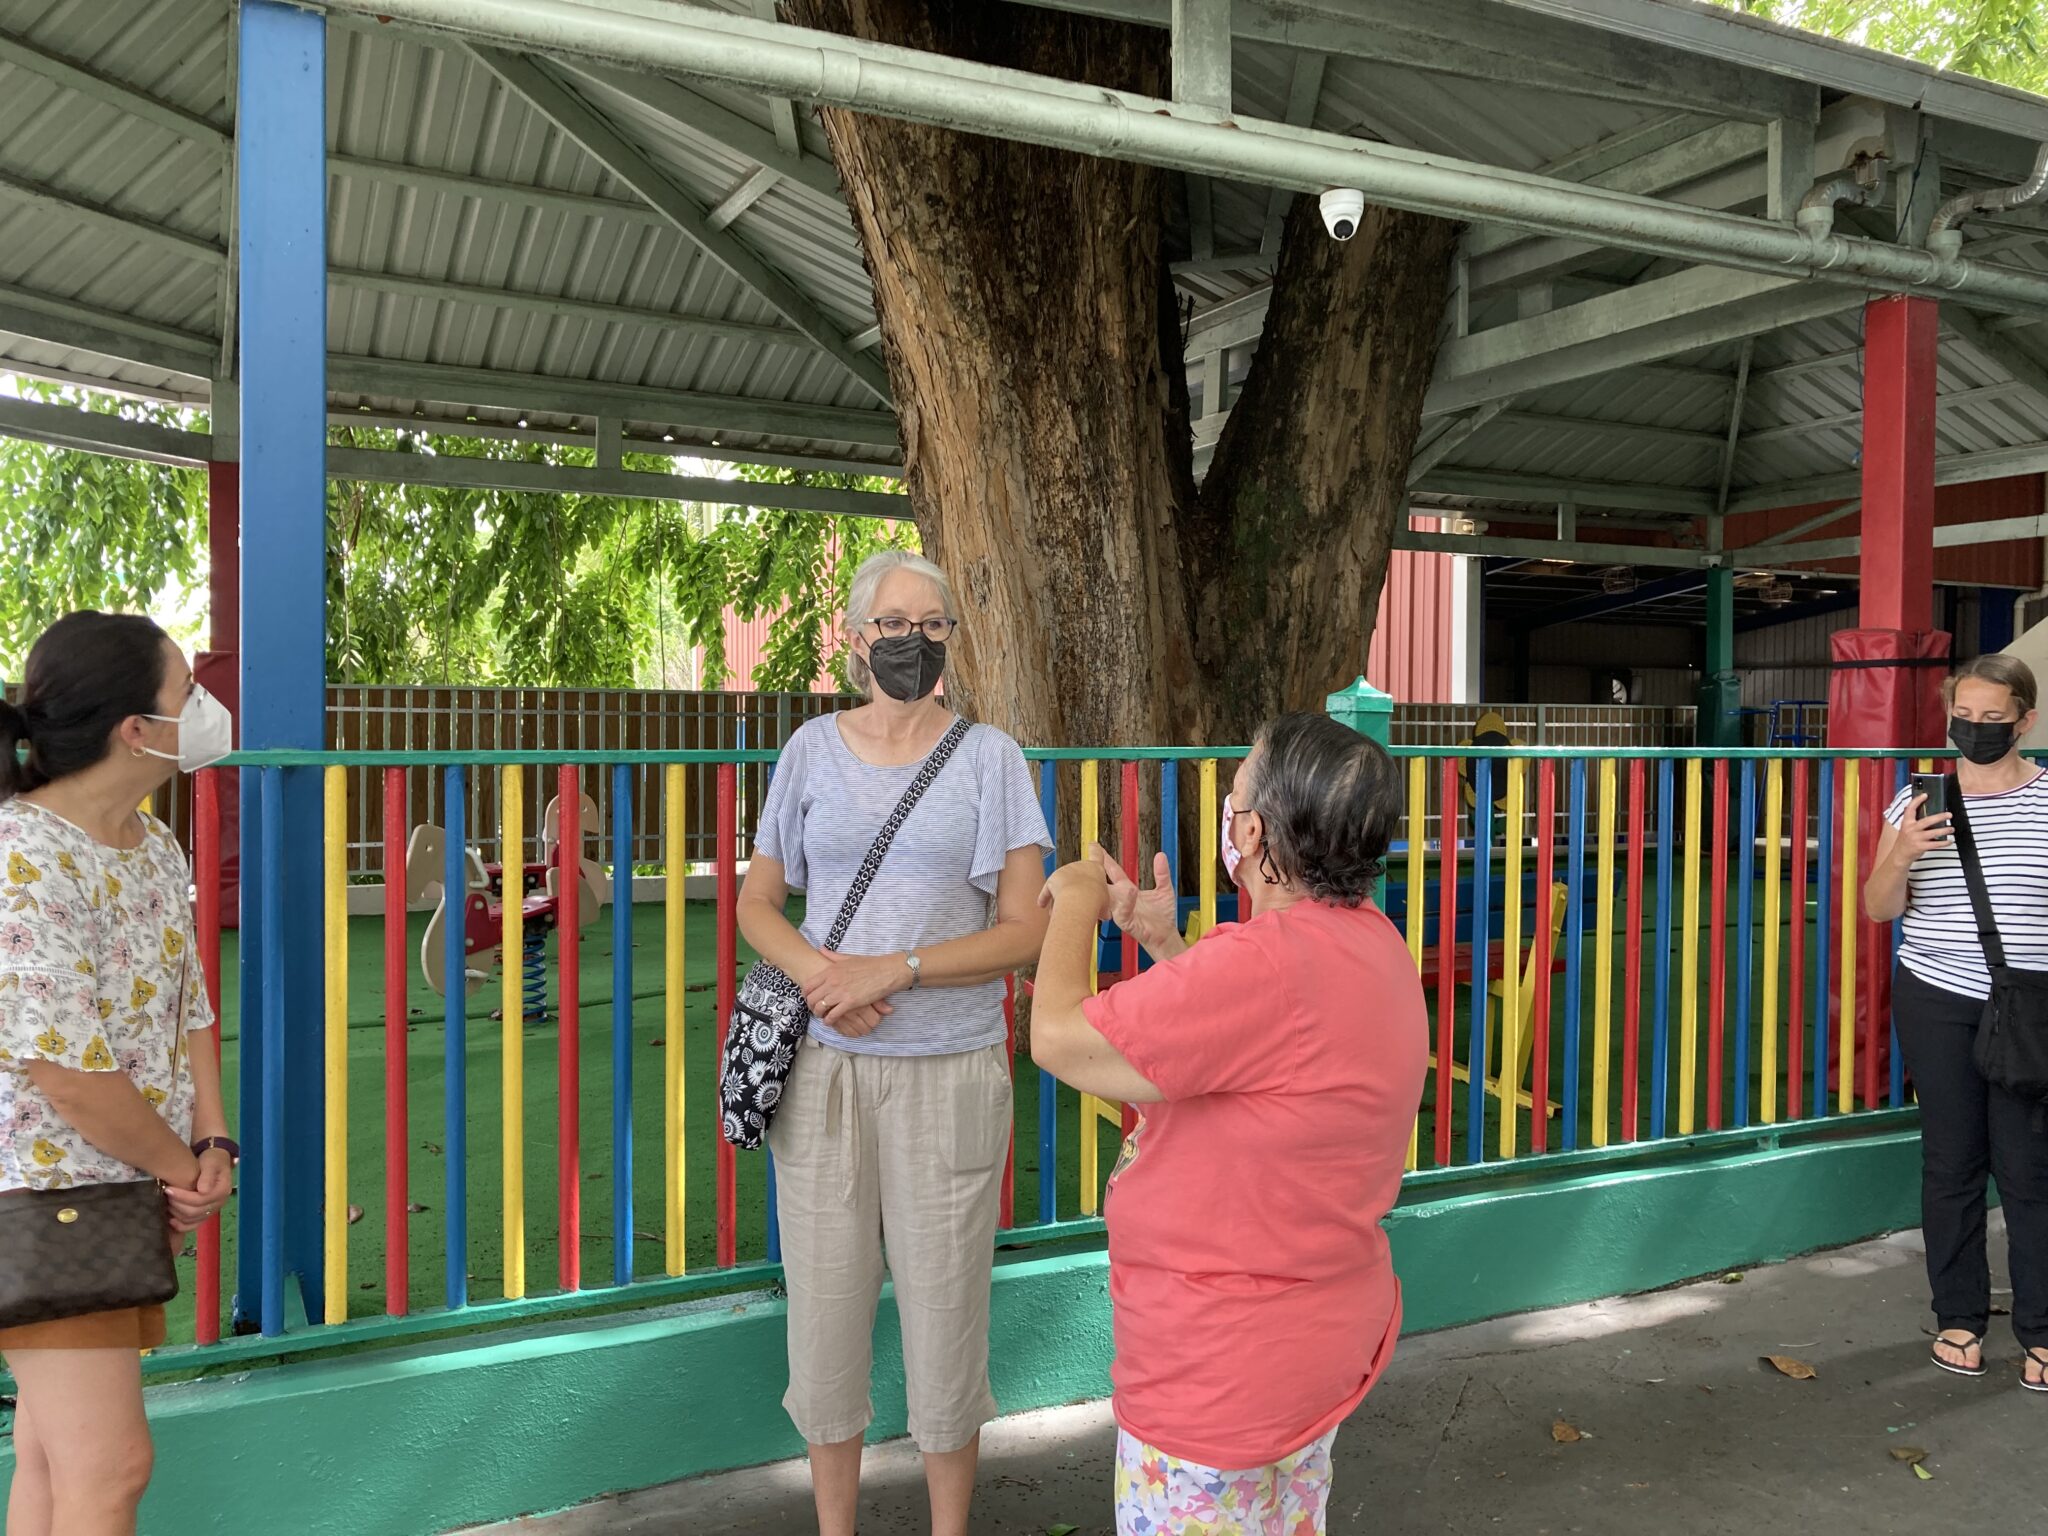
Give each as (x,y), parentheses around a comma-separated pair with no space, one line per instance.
(1255,1299)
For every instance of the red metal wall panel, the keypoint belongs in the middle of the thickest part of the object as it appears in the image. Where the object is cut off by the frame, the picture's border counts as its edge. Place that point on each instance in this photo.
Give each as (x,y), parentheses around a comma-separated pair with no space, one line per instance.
(1410,656)
(2014,563)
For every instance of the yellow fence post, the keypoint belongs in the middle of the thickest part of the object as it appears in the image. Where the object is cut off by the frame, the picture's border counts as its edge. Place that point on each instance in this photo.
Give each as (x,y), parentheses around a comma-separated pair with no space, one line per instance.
(1511,966)
(1091,833)
(335,783)
(512,858)
(1851,771)
(674,1066)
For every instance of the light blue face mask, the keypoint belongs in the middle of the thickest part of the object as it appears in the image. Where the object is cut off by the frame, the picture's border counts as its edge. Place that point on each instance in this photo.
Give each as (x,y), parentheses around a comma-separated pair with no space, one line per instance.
(206,732)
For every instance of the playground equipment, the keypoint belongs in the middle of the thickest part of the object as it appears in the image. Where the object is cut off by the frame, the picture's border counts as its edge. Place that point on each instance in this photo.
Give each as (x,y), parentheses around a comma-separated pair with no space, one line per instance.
(483,903)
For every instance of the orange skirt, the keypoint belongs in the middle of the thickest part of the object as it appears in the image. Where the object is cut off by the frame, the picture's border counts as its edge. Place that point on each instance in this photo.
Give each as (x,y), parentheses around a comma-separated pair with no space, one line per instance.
(135,1328)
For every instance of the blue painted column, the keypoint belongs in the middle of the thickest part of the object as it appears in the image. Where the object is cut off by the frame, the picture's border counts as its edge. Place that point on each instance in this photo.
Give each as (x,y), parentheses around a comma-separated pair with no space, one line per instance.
(282,250)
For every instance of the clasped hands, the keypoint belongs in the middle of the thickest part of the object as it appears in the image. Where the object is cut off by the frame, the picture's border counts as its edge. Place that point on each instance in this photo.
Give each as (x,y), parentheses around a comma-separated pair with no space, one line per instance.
(850,992)
(192,1208)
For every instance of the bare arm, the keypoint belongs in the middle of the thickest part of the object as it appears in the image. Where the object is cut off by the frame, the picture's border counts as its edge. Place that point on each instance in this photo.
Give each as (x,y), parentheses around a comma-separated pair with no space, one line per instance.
(107,1110)
(1063,1042)
(1885,892)
(767,927)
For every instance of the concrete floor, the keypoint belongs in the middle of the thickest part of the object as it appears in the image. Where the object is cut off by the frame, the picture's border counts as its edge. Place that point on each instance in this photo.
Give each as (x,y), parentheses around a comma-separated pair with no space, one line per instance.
(1685,1429)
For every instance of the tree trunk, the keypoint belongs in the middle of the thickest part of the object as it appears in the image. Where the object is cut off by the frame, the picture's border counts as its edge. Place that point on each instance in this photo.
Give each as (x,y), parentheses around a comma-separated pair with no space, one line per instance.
(1288,545)
(1033,341)
(1019,293)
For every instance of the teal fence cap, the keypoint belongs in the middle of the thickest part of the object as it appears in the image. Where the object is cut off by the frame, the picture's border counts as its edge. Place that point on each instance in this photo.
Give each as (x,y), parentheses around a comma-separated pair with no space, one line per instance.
(1361,695)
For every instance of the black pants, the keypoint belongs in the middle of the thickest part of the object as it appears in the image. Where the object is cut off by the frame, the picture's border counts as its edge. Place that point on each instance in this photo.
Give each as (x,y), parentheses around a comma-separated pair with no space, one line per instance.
(1970,1129)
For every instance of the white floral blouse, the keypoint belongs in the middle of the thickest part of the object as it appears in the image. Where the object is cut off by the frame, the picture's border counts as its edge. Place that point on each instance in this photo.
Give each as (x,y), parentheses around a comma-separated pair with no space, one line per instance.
(96,949)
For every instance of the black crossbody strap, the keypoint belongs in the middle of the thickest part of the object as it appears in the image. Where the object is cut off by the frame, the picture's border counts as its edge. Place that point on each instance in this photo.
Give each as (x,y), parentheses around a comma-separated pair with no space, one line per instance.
(872,864)
(1973,876)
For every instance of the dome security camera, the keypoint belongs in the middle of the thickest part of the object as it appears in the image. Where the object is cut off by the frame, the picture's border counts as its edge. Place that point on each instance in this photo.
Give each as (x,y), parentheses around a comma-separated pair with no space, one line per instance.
(1343,211)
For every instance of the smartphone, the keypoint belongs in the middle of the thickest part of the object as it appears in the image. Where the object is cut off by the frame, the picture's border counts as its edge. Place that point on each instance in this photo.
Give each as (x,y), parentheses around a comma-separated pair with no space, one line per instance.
(1935,787)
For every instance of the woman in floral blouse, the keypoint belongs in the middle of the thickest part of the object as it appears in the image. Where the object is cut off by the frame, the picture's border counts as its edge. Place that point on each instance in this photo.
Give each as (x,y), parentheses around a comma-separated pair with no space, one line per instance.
(101,1080)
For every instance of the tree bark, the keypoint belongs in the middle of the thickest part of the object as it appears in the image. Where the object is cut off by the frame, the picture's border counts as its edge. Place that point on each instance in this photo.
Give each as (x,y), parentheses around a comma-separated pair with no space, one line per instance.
(1287,547)
(1033,341)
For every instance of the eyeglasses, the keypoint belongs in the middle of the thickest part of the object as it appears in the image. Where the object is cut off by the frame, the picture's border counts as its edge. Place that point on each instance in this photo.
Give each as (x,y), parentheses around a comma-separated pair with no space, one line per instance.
(938,631)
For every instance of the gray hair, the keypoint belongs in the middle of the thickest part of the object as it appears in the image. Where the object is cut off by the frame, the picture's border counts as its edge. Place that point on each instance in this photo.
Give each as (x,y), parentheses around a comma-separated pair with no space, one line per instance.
(1330,800)
(861,593)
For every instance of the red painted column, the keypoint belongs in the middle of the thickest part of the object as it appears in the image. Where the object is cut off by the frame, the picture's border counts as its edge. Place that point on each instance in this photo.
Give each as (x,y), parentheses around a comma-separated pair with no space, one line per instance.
(1898,463)
(219,666)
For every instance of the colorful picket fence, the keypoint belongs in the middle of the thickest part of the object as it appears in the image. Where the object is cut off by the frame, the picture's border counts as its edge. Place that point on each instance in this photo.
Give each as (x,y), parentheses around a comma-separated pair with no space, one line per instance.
(1615,948)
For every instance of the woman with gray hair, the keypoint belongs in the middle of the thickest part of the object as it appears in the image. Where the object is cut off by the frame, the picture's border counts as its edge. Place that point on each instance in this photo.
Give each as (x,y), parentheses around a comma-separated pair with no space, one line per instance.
(895,1122)
(1277,1067)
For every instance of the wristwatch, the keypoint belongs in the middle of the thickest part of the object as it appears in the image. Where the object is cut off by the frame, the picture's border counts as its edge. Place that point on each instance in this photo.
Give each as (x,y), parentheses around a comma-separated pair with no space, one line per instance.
(916,963)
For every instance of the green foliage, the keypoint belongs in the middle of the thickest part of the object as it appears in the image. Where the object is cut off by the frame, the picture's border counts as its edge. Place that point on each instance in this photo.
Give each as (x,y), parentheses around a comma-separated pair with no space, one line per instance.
(437,585)
(79,530)
(2002,40)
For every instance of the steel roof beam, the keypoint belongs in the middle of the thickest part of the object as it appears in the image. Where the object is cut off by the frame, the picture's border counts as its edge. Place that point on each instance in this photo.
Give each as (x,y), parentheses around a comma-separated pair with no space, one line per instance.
(588,397)
(748,191)
(419,178)
(388,467)
(112,221)
(1949,536)
(705,117)
(1703,307)
(1475,40)
(1678,501)
(66,426)
(1304,95)
(444,426)
(1553,549)
(544,93)
(435,290)
(89,82)
(68,323)
(1982,394)
(1955,469)
(2001,350)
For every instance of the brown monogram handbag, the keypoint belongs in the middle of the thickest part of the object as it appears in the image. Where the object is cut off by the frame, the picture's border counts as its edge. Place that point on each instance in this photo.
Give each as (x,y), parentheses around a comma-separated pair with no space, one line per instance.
(92,1247)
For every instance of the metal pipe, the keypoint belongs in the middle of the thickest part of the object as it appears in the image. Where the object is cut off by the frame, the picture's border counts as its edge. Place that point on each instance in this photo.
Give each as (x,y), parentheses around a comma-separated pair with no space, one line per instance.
(1944,231)
(1815,215)
(902,83)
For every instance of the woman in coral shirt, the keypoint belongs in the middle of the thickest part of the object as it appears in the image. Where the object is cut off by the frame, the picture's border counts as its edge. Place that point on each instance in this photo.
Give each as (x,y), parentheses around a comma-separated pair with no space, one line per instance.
(1277,1067)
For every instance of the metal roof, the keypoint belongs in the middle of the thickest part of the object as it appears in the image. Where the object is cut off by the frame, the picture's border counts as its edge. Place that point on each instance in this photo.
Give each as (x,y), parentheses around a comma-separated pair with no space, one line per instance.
(488,267)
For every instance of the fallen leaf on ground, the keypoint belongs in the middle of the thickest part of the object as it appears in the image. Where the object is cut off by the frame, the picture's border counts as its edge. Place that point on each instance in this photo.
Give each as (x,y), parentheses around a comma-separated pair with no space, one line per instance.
(1798,1370)
(1911,1453)
(1731,1278)
(658,1042)
(1061,1530)
(1922,1473)
(355,1214)
(416,1208)
(1564,1434)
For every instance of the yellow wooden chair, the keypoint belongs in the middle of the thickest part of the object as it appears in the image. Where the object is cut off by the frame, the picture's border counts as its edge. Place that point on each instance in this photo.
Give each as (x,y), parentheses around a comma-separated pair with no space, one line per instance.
(1497,990)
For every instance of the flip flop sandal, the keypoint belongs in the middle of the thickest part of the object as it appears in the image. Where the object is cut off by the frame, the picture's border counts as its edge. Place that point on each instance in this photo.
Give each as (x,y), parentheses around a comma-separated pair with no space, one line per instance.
(1976,1342)
(2040,1357)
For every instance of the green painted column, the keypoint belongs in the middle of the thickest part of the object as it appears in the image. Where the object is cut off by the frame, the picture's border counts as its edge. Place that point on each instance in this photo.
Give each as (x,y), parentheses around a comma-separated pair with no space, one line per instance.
(1720,700)
(1365,709)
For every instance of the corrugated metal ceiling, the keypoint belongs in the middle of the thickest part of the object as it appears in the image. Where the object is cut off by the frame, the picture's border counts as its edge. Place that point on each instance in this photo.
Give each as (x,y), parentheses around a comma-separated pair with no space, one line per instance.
(468,231)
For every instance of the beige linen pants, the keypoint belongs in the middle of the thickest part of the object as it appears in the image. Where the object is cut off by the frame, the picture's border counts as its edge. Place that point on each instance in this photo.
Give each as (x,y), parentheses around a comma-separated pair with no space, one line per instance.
(904,1153)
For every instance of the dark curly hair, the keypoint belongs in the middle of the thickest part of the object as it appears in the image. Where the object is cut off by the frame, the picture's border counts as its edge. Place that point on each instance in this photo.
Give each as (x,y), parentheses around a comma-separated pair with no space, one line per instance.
(1330,800)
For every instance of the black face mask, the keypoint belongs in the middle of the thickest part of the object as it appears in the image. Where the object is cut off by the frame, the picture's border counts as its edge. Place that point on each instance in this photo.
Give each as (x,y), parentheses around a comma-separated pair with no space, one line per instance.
(908,667)
(1983,742)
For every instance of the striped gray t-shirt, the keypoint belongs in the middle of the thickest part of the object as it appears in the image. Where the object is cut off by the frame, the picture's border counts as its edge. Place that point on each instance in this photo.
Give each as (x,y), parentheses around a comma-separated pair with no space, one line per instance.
(1938,939)
(937,883)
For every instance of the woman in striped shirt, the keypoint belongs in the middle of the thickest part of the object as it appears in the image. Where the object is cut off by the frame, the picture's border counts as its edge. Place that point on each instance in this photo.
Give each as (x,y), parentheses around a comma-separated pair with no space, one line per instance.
(1971,1128)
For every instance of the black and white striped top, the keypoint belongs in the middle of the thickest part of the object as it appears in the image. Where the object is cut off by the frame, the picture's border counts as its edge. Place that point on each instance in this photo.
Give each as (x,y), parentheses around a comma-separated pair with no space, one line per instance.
(1938,942)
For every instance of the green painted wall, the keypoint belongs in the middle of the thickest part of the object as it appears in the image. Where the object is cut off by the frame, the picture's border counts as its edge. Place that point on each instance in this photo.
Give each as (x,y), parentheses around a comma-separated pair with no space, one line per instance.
(409,1441)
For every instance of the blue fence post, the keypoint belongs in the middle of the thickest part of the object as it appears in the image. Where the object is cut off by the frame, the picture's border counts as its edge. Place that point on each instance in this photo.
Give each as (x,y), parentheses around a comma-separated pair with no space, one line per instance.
(282,262)
(1902,775)
(1482,948)
(270,1025)
(1048,1085)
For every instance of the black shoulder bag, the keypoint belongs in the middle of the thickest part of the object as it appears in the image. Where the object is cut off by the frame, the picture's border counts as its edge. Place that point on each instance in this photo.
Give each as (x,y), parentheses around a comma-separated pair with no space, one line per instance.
(770,1017)
(2012,1036)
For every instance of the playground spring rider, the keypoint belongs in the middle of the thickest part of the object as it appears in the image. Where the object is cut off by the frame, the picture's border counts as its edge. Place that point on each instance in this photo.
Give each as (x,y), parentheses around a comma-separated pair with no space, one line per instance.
(483,911)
